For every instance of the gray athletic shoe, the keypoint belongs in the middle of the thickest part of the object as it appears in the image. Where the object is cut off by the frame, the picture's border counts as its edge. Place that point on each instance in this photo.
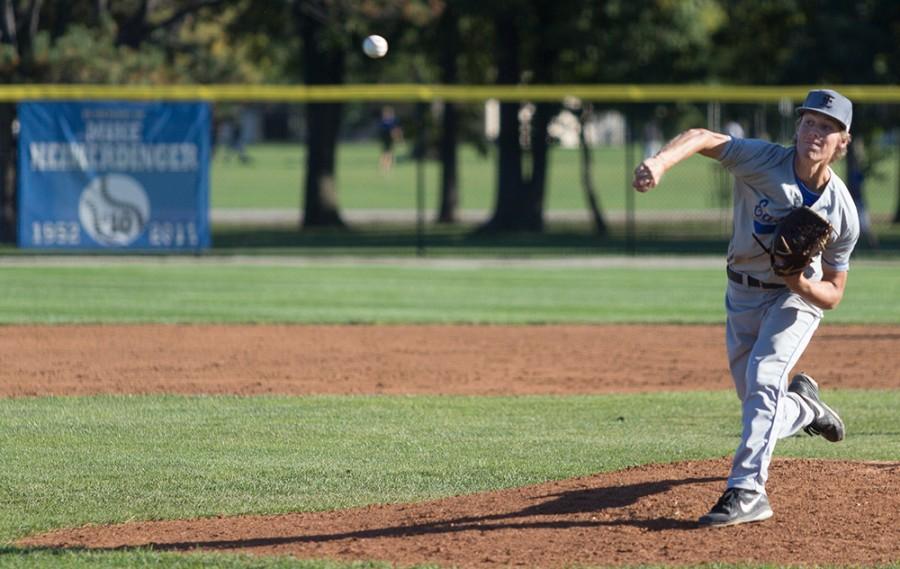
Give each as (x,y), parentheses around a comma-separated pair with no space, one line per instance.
(738,506)
(827,423)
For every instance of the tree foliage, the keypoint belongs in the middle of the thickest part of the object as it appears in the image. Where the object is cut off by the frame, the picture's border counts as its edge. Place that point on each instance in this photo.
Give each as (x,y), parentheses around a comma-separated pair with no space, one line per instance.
(127,42)
(762,42)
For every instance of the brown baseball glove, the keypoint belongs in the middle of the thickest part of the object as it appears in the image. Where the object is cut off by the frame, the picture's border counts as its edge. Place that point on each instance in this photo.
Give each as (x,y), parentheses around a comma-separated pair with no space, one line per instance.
(799,237)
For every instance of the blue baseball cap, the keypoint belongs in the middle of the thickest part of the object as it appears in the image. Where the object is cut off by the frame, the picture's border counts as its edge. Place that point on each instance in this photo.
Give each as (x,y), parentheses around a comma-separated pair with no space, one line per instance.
(830,103)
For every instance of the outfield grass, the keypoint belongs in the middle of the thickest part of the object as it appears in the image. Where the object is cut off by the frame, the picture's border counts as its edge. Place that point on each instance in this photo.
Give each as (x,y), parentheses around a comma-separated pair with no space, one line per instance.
(273,180)
(161,291)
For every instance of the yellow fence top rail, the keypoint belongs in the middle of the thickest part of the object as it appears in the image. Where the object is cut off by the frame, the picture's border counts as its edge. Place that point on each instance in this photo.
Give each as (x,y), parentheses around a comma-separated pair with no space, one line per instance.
(456,93)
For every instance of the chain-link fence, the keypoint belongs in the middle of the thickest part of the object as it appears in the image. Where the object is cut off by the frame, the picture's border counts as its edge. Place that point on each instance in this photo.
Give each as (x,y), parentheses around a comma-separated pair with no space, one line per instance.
(259,164)
(399,180)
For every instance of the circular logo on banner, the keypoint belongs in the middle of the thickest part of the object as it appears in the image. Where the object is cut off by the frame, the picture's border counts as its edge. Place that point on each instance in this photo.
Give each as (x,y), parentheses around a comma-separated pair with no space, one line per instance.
(114,209)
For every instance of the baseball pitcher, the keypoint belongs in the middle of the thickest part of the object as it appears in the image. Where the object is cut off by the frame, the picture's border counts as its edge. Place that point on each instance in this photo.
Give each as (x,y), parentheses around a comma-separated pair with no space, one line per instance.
(795,226)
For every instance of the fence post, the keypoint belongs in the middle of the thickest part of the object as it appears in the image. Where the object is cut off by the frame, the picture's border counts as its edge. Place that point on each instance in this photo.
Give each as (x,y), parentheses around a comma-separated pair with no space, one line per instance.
(630,237)
(420,151)
(8,206)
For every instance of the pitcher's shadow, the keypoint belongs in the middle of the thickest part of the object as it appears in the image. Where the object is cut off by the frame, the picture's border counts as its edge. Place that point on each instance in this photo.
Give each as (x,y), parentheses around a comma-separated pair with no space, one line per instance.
(589,500)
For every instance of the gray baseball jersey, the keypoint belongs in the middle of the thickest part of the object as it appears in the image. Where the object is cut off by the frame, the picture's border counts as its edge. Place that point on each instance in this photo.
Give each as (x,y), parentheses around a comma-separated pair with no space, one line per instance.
(767,330)
(765,190)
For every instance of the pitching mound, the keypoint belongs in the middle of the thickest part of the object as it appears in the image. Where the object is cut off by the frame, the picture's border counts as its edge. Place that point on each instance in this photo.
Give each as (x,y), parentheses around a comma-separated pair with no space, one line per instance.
(826,512)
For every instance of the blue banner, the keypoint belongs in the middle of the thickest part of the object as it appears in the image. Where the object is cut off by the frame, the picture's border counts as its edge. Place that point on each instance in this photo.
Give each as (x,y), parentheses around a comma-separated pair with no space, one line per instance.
(114,175)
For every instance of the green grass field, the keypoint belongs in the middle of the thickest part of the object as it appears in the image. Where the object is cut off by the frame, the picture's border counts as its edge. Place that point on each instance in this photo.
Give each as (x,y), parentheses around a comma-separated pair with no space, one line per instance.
(71,461)
(695,185)
(341,293)
(66,461)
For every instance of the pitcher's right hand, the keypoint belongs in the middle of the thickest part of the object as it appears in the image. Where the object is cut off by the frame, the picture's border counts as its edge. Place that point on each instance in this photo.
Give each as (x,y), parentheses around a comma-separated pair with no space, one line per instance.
(647,174)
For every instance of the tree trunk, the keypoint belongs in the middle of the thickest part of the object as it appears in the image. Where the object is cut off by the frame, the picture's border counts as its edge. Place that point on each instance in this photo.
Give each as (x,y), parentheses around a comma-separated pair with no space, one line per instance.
(17,30)
(8,27)
(62,17)
(587,175)
(508,205)
(320,203)
(323,63)
(449,165)
(546,54)
(8,37)
(134,29)
(24,26)
(7,175)
(101,10)
(448,32)
(509,170)
(533,204)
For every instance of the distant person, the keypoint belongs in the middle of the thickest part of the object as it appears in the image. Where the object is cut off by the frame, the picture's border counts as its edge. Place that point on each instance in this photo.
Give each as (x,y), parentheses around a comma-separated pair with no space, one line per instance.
(390,133)
(237,141)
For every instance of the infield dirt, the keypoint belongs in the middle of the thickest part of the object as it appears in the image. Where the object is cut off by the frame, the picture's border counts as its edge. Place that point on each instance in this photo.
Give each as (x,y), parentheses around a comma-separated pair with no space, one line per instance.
(826,512)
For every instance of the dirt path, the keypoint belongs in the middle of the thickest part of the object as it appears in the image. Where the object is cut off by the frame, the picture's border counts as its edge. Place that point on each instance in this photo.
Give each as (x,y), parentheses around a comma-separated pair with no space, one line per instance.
(827,512)
(469,360)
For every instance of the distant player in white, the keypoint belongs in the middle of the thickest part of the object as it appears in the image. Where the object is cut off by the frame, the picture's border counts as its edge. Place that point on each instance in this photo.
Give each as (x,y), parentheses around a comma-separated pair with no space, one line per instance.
(771,319)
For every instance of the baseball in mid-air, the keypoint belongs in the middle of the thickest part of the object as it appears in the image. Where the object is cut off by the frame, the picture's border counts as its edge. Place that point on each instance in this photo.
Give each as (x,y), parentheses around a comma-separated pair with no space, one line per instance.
(375,46)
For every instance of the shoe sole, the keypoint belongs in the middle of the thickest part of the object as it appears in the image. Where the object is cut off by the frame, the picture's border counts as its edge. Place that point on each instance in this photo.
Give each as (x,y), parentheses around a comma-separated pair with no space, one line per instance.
(762,516)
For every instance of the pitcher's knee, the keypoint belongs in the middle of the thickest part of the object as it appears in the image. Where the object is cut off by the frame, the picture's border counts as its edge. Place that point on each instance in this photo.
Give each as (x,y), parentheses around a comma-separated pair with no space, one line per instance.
(767,372)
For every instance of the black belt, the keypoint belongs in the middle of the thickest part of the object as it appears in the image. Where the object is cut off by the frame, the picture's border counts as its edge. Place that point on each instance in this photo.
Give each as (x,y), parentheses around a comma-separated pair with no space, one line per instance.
(750,281)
